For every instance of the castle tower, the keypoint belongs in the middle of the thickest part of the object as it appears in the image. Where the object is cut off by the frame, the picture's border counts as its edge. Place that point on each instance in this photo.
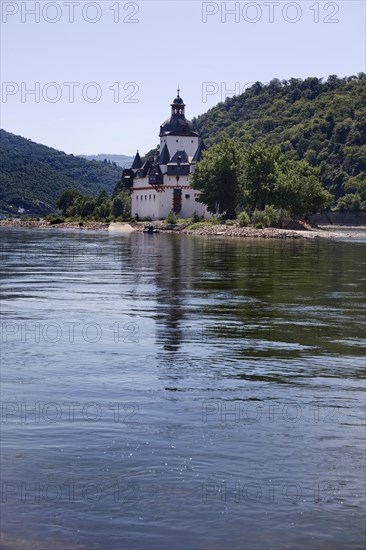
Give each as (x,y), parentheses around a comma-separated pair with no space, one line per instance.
(178,133)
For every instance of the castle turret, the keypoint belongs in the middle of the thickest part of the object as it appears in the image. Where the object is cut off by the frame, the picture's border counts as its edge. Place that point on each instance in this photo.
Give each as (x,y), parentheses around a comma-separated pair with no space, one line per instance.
(177,132)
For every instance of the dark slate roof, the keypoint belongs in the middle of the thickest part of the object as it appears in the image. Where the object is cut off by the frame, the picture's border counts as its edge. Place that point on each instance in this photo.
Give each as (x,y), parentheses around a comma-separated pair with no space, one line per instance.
(198,153)
(180,156)
(178,101)
(145,168)
(164,156)
(155,170)
(177,125)
(137,163)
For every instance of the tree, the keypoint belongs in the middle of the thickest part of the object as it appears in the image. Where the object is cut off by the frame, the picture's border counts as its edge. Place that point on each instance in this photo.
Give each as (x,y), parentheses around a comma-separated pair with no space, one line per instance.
(356,185)
(102,198)
(349,203)
(87,207)
(299,190)
(121,205)
(259,175)
(117,206)
(217,177)
(67,198)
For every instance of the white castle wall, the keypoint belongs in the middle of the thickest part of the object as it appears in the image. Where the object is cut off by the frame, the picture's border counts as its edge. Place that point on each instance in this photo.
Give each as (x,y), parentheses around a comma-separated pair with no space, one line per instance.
(149,202)
(144,200)
(180,143)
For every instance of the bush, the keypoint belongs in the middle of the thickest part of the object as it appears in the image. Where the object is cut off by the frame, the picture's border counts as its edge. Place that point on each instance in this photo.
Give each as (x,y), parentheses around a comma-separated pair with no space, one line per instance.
(284,217)
(196,217)
(204,223)
(243,219)
(272,213)
(230,222)
(171,218)
(260,219)
(269,217)
(198,225)
(55,219)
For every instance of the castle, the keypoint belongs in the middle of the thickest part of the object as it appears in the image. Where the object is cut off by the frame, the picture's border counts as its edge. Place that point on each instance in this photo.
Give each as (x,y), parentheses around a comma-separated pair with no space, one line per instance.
(161,184)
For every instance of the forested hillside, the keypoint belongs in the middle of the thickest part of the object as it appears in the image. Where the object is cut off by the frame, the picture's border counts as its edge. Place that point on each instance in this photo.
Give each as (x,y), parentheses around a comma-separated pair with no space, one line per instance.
(322,122)
(33,176)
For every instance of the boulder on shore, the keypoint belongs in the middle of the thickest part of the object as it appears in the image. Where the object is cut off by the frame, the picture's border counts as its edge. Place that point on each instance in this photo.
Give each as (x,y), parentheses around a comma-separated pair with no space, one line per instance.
(119,227)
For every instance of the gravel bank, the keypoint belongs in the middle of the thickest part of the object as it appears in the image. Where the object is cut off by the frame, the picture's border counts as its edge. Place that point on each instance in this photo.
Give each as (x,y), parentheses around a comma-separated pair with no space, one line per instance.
(307,232)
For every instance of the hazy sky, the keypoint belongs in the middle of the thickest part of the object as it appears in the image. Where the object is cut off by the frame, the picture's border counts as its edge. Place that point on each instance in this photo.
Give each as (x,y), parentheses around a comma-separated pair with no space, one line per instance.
(104,73)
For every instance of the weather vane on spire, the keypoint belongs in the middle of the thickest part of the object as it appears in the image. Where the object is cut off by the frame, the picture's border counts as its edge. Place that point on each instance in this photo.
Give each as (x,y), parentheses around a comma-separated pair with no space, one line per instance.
(178,90)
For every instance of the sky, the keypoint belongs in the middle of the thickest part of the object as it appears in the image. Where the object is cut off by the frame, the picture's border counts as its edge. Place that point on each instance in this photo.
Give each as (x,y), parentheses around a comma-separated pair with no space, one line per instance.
(98,77)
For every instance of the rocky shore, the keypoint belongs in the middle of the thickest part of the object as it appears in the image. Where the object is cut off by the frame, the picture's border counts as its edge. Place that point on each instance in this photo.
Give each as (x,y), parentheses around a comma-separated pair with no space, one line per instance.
(303,231)
(43,224)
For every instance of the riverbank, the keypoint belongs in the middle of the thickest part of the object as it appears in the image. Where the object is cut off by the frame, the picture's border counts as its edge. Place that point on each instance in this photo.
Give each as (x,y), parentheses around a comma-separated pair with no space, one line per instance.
(303,231)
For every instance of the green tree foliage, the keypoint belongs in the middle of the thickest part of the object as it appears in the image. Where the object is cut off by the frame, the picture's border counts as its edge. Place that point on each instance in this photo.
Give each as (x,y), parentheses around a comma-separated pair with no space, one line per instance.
(217,177)
(299,191)
(321,122)
(351,202)
(67,198)
(121,205)
(172,218)
(33,176)
(243,219)
(356,184)
(259,175)
(258,178)
(101,207)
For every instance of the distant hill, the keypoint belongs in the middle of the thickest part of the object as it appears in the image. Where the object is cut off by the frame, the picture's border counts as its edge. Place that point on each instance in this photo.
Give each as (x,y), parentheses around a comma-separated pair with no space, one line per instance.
(120,160)
(33,176)
(321,122)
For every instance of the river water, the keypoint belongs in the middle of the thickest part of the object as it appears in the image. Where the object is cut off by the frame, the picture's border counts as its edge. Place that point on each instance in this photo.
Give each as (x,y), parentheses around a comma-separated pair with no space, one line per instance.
(180,392)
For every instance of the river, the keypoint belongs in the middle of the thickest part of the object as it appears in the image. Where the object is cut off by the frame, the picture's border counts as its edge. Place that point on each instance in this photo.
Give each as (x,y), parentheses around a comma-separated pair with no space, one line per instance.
(182,392)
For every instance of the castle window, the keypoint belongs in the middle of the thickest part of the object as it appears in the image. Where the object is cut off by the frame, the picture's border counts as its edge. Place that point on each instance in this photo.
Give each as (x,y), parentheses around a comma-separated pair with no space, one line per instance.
(137,197)
(149,197)
(154,197)
(188,196)
(145,197)
(177,140)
